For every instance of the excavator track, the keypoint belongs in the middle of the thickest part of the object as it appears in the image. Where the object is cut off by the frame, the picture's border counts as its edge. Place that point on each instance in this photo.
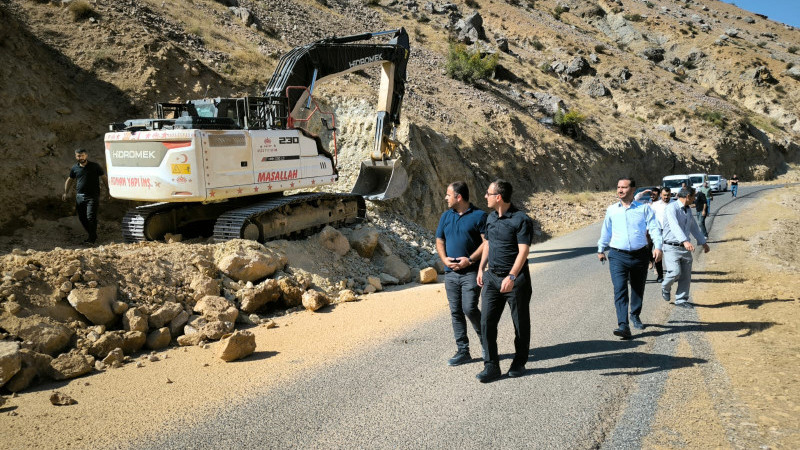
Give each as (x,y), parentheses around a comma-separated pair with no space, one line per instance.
(134,223)
(294,215)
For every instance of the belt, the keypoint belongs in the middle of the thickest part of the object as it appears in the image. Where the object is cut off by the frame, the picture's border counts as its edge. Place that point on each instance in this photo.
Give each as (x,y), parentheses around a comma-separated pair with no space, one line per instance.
(500,273)
(674,244)
(630,252)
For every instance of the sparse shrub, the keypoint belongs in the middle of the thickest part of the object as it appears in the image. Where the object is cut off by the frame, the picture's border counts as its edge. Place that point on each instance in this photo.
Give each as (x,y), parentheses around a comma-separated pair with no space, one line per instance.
(789,65)
(81,10)
(473,4)
(649,5)
(545,67)
(633,17)
(762,44)
(689,64)
(569,123)
(372,2)
(423,18)
(537,45)
(716,118)
(599,48)
(779,89)
(679,78)
(658,104)
(684,32)
(793,49)
(467,66)
(558,11)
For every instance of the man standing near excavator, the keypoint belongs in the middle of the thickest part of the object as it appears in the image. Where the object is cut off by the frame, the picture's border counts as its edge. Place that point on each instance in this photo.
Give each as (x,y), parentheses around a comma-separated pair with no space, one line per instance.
(459,242)
(86,176)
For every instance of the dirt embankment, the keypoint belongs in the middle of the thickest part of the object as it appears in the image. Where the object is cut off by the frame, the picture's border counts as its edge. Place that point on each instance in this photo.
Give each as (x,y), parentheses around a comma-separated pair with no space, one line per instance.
(750,299)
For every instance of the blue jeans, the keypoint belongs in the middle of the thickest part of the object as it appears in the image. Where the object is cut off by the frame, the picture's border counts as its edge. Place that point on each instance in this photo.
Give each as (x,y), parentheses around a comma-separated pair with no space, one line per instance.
(734,189)
(628,268)
(463,294)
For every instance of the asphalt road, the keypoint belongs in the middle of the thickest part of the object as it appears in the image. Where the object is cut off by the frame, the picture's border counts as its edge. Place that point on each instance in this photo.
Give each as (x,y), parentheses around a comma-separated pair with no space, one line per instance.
(584,388)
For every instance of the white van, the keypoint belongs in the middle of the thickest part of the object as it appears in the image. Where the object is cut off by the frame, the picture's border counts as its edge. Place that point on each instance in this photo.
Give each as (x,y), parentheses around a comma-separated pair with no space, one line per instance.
(674,183)
(697,179)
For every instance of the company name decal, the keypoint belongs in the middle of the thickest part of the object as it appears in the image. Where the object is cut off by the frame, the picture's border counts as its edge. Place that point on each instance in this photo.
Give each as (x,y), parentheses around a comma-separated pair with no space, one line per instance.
(277,175)
(133,154)
(366,60)
(130,182)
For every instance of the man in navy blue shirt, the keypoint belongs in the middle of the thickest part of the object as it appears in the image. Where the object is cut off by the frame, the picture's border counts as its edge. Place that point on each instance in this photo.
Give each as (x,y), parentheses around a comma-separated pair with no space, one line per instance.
(504,274)
(624,231)
(86,175)
(459,242)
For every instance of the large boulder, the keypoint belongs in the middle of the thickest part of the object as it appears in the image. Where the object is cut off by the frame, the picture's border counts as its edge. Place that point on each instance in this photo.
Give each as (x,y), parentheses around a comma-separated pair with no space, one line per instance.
(216,329)
(176,324)
(252,299)
(291,292)
(133,341)
(395,267)
(203,285)
(250,263)
(107,342)
(579,67)
(70,365)
(364,240)
(314,300)
(10,361)
(214,308)
(238,345)
(135,320)
(46,336)
(95,303)
(655,54)
(471,30)
(333,240)
(34,365)
(427,275)
(164,314)
(595,88)
(158,339)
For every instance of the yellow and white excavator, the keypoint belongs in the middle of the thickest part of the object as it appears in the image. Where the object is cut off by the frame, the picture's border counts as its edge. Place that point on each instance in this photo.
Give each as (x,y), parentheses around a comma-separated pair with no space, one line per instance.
(222,165)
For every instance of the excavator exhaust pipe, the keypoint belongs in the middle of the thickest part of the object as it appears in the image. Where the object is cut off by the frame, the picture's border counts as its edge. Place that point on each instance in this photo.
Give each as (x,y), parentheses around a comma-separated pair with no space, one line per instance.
(381,180)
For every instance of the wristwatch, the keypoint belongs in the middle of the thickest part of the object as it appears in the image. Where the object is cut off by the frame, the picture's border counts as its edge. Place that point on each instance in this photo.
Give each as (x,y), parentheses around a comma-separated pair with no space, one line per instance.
(512,277)
(470,260)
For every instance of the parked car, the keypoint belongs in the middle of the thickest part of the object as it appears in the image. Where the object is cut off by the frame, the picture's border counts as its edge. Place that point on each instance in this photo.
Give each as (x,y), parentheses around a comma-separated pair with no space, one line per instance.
(718,183)
(697,180)
(674,183)
(644,198)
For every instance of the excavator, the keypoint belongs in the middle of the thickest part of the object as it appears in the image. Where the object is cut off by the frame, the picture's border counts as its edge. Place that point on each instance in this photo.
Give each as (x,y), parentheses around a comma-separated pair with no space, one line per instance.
(223,165)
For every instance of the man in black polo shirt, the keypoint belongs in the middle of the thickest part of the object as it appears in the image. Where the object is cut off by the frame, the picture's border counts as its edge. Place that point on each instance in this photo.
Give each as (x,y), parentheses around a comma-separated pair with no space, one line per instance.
(503,272)
(86,176)
(459,241)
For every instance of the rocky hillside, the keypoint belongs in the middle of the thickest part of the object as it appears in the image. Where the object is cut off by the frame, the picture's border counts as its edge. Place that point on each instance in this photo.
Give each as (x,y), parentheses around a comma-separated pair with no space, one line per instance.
(664,86)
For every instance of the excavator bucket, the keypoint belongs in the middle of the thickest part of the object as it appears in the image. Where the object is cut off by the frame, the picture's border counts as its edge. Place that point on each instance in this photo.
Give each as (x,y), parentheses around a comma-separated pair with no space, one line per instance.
(381,180)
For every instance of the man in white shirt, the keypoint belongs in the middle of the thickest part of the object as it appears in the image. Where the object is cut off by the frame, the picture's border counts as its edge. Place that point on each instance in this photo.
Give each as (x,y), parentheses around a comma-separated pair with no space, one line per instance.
(658,208)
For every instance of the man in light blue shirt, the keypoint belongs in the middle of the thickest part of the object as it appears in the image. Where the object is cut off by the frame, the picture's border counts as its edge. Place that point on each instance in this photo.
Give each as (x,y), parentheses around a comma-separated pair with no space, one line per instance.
(624,231)
(678,225)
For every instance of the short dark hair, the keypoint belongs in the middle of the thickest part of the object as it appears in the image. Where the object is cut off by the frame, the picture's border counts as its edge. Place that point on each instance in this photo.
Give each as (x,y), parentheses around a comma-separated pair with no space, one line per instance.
(633,182)
(666,189)
(460,188)
(686,192)
(503,188)
(78,151)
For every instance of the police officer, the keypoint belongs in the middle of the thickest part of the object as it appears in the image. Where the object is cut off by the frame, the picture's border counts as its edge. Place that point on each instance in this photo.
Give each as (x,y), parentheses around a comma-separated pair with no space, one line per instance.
(504,274)
(86,175)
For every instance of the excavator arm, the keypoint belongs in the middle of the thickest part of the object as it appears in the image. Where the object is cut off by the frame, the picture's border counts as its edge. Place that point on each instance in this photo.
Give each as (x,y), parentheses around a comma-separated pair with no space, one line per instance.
(307,65)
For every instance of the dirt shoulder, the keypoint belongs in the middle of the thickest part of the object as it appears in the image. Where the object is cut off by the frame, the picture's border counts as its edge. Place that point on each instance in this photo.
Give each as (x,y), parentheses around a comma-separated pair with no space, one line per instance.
(750,299)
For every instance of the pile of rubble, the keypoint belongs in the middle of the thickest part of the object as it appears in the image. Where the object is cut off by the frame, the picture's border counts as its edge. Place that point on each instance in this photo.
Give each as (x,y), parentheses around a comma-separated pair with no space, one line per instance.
(66,313)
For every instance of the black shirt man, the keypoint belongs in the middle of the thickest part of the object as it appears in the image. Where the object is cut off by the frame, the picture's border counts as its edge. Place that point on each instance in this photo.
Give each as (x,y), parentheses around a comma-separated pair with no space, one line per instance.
(86,176)
(504,274)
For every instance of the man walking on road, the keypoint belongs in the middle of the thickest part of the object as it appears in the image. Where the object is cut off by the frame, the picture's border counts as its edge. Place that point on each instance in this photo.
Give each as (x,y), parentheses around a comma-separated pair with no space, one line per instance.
(86,176)
(701,211)
(504,274)
(709,196)
(459,242)
(678,225)
(658,208)
(734,185)
(624,232)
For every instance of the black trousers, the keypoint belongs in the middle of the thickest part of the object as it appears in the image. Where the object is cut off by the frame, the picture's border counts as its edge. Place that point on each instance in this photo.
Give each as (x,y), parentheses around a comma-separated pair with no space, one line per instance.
(87,207)
(492,305)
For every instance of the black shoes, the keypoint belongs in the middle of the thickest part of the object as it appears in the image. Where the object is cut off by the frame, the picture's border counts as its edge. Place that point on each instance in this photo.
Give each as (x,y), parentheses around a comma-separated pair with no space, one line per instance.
(665,294)
(461,357)
(637,323)
(686,305)
(659,279)
(515,372)
(623,332)
(490,373)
